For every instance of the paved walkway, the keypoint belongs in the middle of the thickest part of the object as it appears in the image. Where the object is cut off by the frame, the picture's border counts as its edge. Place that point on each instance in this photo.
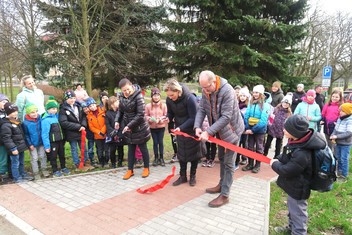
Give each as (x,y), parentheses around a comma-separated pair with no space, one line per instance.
(103,203)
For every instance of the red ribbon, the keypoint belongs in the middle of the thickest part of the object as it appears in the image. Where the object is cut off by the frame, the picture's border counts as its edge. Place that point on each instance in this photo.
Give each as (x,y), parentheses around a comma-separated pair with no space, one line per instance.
(235,148)
(158,186)
(83,142)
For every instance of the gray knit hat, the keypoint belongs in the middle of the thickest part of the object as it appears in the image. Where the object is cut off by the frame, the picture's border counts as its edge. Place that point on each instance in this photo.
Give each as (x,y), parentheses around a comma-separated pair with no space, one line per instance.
(3,97)
(297,125)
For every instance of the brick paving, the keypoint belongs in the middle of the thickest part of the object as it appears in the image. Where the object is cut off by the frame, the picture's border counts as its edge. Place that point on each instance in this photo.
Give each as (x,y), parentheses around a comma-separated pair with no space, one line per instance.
(103,203)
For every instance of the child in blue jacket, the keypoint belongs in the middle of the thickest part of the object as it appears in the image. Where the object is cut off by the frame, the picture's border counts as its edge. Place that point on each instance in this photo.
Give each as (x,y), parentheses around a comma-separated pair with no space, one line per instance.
(256,120)
(32,131)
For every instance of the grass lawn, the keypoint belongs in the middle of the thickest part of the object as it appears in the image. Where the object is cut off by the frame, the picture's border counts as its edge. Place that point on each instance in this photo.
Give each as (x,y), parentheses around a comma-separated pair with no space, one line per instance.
(329,213)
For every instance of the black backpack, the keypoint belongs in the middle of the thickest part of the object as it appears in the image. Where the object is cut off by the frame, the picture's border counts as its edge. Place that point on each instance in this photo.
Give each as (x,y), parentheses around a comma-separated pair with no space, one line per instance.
(324,170)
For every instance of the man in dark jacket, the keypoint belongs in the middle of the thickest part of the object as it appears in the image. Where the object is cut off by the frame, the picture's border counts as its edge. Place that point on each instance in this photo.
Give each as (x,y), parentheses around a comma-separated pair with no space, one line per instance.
(297,96)
(220,105)
(320,100)
(294,167)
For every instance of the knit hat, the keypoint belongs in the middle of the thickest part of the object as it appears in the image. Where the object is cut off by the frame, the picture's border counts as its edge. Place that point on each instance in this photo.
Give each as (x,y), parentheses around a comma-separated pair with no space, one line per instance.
(287,99)
(259,88)
(3,97)
(51,103)
(30,107)
(311,93)
(90,101)
(10,108)
(84,104)
(69,94)
(297,125)
(154,91)
(245,92)
(237,87)
(300,85)
(277,84)
(103,93)
(346,108)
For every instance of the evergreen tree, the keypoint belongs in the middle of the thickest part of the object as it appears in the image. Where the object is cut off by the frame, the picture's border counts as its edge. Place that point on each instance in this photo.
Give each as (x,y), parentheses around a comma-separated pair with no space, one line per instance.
(247,42)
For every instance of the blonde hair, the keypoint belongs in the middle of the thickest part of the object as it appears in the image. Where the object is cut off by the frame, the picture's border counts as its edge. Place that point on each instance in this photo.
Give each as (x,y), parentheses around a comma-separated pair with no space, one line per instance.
(173,85)
(24,79)
(111,100)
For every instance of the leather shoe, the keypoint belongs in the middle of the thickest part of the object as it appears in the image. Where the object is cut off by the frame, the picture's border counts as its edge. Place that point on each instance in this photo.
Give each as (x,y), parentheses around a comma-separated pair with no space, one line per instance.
(219,201)
(216,189)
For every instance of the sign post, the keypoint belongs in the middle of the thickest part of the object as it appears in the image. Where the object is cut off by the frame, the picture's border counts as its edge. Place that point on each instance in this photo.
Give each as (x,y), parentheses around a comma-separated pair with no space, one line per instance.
(327,73)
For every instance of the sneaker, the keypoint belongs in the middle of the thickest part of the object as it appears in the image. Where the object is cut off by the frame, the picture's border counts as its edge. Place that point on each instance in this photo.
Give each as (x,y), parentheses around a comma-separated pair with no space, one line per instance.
(57,174)
(27,177)
(341,179)
(235,167)
(174,159)
(243,162)
(205,163)
(65,171)
(37,176)
(45,173)
(139,163)
(285,229)
(211,163)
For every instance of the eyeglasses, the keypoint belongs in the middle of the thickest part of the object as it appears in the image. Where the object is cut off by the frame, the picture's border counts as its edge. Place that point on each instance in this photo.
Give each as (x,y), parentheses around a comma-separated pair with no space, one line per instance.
(207,87)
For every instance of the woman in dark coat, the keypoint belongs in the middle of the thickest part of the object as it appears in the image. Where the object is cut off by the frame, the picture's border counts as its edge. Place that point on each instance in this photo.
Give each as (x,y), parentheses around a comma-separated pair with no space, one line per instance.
(130,117)
(182,107)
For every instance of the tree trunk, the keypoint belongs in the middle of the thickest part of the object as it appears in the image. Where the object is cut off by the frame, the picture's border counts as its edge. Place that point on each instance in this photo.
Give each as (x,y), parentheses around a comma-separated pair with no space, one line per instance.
(9,67)
(86,48)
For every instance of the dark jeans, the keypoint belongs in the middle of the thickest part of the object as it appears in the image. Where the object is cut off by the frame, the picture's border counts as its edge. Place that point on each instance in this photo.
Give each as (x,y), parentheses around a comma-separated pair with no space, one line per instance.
(57,148)
(278,145)
(158,140)
(112,149)
(131,155)
(102,151)
(183,168)
(211,151)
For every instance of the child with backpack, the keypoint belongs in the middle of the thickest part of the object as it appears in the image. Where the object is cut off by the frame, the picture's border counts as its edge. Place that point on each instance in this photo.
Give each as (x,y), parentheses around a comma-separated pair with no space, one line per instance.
(294,167)
(342,135)
(14,141)
(53,139)
(281,112)
(32,131)
(256,119)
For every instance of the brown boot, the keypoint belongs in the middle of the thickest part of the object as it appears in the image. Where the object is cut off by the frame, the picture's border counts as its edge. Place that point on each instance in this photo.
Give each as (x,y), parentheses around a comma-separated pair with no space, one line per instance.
(128,174)
(219,201)
(216,189)
(145,173)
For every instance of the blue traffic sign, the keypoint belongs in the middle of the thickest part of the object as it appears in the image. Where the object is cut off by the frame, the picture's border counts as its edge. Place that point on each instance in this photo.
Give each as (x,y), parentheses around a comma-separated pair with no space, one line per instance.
(327,72)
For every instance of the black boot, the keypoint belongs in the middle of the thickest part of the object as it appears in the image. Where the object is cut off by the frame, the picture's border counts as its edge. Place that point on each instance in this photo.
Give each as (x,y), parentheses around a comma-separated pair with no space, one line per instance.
(256,168)
(249,166)
(182,179)
(162,162)
(192,180)
(119,164)
(155,162)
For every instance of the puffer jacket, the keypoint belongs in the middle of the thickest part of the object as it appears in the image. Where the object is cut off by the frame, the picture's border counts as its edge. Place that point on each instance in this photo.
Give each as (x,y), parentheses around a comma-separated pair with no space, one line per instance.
(12,135)
(255,110)
(296,99)
(70,124)
(221,108)
(330,114)
(51,129)
(32,130)
(156,110)
(309,110)
(35,96)
(276,97)
(276,130)
(131,114)
(295,165)
(343,130)
(97,123)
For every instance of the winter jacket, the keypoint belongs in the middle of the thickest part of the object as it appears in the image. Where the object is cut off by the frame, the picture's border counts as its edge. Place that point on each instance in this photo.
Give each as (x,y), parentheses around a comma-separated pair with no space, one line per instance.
(12,135)
(35,96)
(110,126)
(320,100)
(70,123)
(309,110)
(330,114)
(276,97)
(276,130)
(131,114)
(296,99)
(51,129)
(32,130)
(262,113)
(343,130)
(221,108)
(183,111)
(154,111)
(2,113)
(97,123)
(295,166)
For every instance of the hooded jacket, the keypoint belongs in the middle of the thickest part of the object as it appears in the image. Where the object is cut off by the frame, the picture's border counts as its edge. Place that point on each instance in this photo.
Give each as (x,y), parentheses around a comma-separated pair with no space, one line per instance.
(71,124)
(309,110)
(131,114)
(51,130)
(35,96)
(12,135)
(277,97)
(32,130)
(295,166)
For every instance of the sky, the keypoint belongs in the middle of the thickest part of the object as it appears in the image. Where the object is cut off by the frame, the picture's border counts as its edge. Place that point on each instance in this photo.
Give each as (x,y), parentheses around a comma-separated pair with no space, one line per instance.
(332,6)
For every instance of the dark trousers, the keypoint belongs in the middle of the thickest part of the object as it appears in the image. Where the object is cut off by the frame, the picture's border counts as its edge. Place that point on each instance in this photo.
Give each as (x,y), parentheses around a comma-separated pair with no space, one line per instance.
(101,151)
(278,145)
(57,148)
(211,150)
(243,144)
(158,140)
(256,144)
(183,168)
(174,145)
(131,155)
(112,149)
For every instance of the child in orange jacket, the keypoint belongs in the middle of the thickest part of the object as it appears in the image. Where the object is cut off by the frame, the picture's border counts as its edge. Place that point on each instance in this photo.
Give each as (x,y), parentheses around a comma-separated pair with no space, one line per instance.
(96,123)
